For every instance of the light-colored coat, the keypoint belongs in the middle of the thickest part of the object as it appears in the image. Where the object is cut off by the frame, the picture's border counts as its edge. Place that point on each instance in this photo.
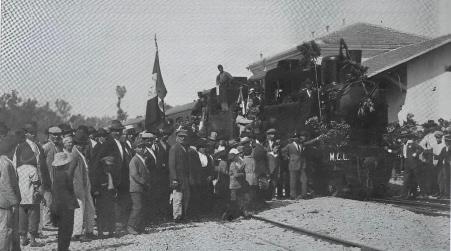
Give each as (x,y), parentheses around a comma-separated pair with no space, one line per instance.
(139,175)
(249,169)
(295,156)
(9,185)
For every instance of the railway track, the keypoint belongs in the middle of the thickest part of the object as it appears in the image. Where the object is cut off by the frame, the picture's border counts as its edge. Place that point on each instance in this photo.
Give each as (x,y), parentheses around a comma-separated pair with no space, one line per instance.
(315,235)
(418,206)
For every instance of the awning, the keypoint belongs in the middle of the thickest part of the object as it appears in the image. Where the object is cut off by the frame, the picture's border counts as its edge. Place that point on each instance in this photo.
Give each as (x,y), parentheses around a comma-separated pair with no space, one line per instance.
(257,76)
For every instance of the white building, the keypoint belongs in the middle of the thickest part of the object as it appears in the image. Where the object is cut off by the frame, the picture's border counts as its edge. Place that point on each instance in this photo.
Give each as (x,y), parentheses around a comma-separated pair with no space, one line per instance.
(418,79)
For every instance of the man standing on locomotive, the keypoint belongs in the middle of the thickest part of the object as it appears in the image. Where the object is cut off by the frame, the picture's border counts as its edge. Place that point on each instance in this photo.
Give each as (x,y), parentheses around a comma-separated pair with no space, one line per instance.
(223,83)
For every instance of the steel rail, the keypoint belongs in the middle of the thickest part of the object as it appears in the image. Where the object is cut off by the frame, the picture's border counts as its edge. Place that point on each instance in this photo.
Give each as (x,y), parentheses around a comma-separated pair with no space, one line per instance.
(415,203)
(316,235)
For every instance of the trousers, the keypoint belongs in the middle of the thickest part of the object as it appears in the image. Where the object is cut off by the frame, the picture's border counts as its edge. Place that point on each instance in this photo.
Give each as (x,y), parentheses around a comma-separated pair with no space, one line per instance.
(9,224)
(29,215)
(122,207)
(65,222)
(105,211)
(298,177)
(84,216)
(180,203)
(136,215)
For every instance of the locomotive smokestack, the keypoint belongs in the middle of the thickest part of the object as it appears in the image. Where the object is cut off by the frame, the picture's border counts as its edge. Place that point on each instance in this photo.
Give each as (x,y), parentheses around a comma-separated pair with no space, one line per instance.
(327,28)
(344,21)
(313,34)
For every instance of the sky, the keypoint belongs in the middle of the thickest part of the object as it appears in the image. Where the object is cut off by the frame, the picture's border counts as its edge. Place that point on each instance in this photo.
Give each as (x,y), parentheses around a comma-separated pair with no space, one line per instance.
(81,50)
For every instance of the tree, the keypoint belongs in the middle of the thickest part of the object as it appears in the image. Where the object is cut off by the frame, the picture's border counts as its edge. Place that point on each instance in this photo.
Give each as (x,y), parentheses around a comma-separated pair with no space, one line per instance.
(63,108)
(120,92)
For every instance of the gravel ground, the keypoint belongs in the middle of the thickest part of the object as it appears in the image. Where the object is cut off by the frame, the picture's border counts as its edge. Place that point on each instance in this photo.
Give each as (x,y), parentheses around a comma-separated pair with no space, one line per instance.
(378,225)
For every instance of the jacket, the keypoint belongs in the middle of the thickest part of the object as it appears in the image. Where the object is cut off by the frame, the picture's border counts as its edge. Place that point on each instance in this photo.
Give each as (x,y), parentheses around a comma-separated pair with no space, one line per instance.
(249,169)
(50,149)
(78,170)
(63,190)
(120,171)
(139,175)
(195,167)
(9,184)
(295,156)
(179,164)
(237,175)
(261,160)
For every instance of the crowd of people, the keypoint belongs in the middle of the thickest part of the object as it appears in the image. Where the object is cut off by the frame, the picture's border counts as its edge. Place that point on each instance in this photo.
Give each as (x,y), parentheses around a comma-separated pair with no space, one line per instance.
(81,179)
(424,154)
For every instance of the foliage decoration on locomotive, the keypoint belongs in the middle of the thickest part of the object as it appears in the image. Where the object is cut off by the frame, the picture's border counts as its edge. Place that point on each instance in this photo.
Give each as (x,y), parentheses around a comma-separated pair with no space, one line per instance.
(343,110)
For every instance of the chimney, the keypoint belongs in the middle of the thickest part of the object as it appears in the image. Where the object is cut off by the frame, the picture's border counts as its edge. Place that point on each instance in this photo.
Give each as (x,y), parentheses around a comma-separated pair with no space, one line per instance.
(327,28)
(344,21)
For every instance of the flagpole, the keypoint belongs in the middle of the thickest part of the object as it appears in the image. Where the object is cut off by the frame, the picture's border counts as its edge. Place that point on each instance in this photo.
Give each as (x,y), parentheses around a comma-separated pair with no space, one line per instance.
(164,109)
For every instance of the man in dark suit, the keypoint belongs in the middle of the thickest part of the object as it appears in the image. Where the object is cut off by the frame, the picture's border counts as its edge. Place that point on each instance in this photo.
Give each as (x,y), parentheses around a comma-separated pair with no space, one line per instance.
(114,147)
(160,176)
(444,162)
(179,175)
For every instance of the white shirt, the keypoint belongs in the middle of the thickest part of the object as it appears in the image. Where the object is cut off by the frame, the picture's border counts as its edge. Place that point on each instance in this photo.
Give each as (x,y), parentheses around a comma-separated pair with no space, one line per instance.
(203,159)
(93,143)
(120,148)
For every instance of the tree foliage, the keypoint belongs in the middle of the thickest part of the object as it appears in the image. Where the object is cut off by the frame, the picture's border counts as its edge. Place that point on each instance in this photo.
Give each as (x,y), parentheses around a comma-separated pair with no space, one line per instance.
(120,92)
(16,111)
(63,108)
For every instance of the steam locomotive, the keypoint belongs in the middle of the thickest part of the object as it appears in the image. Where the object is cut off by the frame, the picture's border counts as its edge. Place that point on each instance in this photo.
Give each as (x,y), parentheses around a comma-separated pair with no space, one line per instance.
(335,90)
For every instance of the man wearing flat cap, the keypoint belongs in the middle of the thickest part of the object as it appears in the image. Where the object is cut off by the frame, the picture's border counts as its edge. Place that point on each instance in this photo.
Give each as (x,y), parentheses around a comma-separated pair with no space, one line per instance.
(139,184)
(179,174)
(53,146)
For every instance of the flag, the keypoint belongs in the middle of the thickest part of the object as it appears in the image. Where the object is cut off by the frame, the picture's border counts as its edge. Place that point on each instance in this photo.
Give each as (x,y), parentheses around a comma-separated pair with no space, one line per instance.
(240,102)
(155,103)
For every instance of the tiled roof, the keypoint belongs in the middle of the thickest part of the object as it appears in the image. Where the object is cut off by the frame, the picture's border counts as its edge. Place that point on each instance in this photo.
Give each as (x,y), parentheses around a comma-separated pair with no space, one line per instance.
(357,36)
(401,55)
(370,35)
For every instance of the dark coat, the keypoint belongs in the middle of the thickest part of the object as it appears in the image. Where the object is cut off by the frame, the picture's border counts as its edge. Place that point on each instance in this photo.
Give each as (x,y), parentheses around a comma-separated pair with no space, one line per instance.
(44,174)
(63,190)
(195,168)
(97,174)
(120,171)
(261,160)
(179,164)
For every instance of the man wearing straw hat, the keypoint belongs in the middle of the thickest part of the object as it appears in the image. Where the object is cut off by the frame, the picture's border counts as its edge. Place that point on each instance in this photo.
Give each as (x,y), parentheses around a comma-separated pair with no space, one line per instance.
(64,200)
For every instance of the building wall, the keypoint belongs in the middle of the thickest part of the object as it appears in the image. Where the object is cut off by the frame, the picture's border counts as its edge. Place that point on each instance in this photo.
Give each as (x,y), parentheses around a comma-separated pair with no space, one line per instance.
(429,86)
